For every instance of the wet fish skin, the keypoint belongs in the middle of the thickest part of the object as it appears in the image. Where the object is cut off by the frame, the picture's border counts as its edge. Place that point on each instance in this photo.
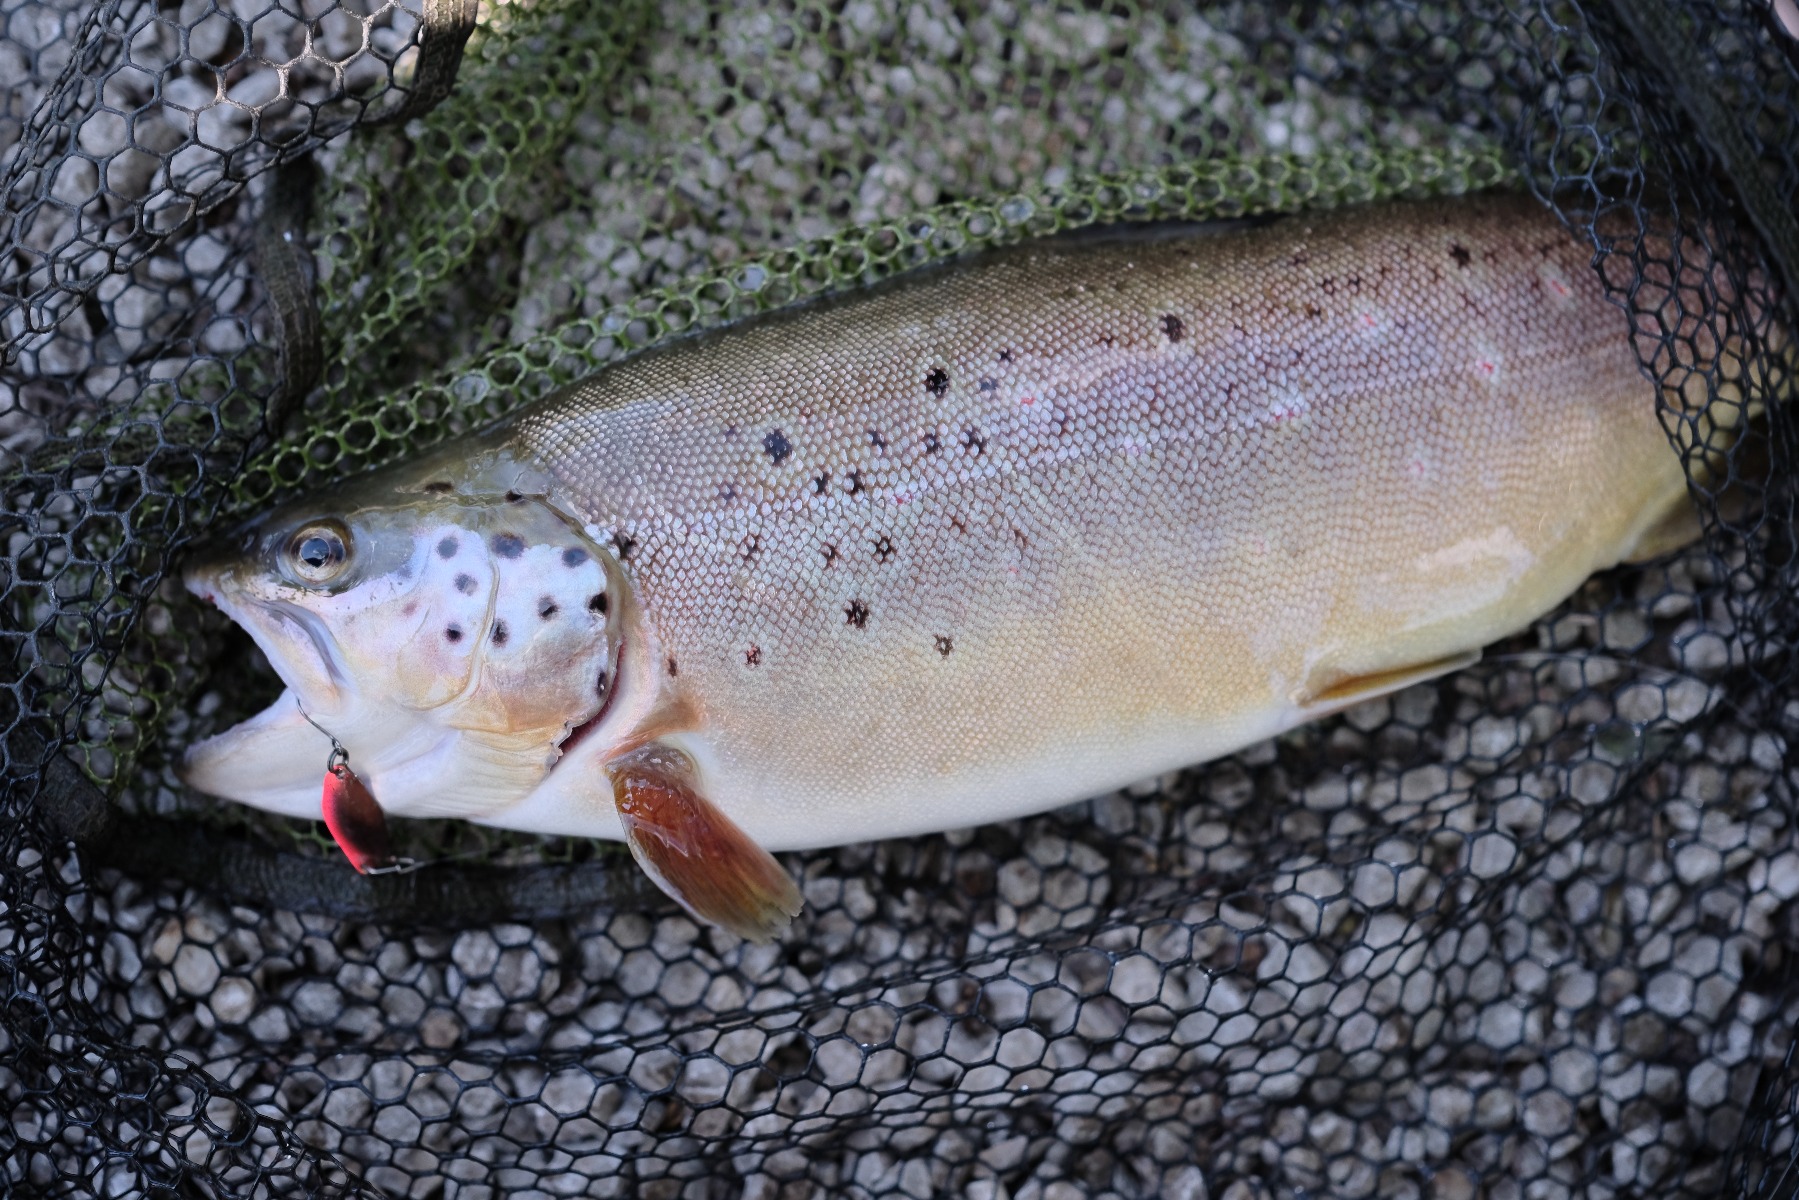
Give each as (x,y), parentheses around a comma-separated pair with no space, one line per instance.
(1010,533)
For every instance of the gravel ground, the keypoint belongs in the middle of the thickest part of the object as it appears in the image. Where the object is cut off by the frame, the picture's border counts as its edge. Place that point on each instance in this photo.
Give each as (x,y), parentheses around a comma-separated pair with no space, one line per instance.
(1331,964)
(1512,933)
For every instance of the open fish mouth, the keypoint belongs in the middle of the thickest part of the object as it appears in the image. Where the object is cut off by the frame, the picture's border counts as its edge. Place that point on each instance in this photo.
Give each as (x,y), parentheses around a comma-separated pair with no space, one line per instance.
(296,642)
(274,759)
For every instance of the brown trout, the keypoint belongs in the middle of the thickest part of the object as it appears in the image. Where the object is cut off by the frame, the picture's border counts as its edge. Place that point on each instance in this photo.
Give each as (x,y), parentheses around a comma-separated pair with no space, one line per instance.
(996,537)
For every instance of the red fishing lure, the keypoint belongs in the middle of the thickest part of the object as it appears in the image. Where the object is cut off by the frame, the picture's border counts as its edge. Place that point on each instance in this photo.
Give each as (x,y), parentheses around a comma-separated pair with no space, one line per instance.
(353,815)
(354,818)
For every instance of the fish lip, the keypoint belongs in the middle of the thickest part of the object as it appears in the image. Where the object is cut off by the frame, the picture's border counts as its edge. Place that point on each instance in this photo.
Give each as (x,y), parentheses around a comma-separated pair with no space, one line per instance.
(203,581)
(322,643)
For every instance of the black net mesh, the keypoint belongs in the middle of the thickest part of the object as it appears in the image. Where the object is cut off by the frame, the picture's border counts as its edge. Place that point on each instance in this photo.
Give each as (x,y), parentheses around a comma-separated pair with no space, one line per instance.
(1524,931)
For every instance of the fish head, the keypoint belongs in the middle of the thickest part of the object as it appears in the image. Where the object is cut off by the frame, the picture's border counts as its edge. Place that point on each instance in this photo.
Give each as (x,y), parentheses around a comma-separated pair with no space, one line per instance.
(449,642)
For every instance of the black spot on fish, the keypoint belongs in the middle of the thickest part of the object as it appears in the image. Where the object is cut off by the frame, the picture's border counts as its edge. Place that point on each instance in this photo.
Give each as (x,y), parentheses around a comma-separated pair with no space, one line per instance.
(932,443)
(854,484)
(623,545)
(1019,537)
(974,439)
(944,645)
(750,547)
(820,483)
(513,497)
(1460,253)
(500,633)
(855,613)
(672,669)
(596,603)
(1328,285)
(753,656)
(465,583)
(876,440)
(507,545)
(936,381)
(453,633)
(599,685)
(776,446)
(727,492)
(447,548)
(830,552)
(986,384)
(574,556)
(1005,356)
(1313,312)
(547,608)
(1301,258)
(438,487)
(1171,325)
(883,548)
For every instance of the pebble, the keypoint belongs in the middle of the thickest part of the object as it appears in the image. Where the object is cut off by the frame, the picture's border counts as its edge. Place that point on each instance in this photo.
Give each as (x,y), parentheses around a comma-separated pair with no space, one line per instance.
(196,970)
(1670,993)
(233,1000)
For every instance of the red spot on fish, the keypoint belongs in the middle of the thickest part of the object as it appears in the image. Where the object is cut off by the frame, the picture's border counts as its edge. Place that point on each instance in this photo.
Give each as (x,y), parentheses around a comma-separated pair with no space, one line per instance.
(1027,399)
(1485,368)
(1368,320)
(1559,288)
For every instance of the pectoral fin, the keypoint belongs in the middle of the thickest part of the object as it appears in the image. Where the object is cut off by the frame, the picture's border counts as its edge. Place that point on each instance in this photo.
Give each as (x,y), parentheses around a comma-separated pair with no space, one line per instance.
(693,851)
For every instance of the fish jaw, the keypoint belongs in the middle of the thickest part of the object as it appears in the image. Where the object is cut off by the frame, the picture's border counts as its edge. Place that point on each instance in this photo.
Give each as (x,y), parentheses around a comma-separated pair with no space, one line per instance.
(276,759)
(296,644)
(273,761)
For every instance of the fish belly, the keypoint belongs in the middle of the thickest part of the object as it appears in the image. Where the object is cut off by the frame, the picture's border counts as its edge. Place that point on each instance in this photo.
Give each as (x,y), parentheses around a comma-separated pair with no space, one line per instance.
(1011,534)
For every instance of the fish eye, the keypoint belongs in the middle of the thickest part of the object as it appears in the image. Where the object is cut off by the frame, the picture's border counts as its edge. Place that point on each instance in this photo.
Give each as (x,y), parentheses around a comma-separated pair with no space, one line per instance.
(317,553)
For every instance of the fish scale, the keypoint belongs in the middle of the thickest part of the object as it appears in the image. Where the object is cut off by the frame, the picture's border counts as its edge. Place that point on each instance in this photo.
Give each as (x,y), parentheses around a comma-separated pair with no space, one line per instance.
(1146,501)
(997,536)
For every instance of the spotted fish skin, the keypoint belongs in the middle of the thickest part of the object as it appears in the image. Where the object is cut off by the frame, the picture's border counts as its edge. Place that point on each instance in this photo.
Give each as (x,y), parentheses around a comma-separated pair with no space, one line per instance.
(1009,534)
(993,538)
